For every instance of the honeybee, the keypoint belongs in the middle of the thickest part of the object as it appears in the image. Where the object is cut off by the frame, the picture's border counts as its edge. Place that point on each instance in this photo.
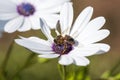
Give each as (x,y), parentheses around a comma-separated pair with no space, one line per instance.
(69,39)
(59,40)
(62,40)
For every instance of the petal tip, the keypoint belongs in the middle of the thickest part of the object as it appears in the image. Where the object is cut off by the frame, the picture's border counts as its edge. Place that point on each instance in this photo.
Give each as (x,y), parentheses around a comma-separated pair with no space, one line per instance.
(107,32)
(18,41)
(107,48)
(102,19)
(7,30)
(90,8)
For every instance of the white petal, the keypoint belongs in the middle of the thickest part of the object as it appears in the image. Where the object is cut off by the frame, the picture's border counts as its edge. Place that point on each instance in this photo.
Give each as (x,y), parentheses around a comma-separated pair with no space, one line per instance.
(43,52)
(95,37)
(45,7)
(45,29)
(50,10)
(103,48)
(33,2)
(81,21)
(35,21)
(65,60)
(93,26)
(49,56)
(13,25)
(7,16)
(26,26)
(87,50)
(81,61)
(7,10)
(30,44)
(17,1)
(51,19)
(66,17)
(51,3)
(7,6)
(36,39)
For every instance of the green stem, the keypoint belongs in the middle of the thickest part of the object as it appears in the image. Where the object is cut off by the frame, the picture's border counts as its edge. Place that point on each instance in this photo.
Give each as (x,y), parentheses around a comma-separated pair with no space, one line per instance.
(8,53)
(24,67)
(62,71)
(85,73)
(67,72)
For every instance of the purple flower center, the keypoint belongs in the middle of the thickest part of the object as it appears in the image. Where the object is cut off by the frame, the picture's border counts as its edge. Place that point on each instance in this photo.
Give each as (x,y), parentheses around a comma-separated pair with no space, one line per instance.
(26,9)
(63,45)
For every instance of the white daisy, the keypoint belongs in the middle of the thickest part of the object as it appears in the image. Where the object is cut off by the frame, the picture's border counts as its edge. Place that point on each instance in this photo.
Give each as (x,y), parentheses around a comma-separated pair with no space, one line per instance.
(25,14)
(74,43)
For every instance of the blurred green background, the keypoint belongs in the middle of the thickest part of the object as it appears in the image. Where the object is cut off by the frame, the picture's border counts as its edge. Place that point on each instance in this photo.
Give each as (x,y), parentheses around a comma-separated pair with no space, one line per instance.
(37,70)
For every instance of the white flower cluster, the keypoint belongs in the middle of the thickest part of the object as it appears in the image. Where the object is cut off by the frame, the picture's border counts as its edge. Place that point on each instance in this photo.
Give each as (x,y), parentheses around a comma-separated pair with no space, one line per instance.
(73,43)
(25,14)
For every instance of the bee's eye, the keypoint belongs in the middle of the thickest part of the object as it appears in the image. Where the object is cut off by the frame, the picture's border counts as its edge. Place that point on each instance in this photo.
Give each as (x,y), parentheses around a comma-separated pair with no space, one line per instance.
(71,39)
(55,40)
